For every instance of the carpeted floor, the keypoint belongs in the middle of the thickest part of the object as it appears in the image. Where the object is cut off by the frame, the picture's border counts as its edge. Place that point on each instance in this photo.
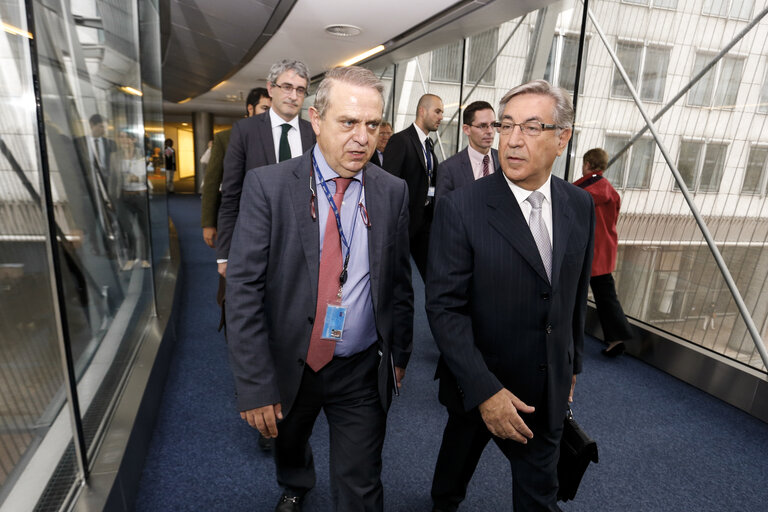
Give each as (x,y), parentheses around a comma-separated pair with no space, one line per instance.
(664,445)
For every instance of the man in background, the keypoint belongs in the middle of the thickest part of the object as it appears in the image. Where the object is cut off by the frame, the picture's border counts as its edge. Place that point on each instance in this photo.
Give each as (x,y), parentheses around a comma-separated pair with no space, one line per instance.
(477,159)
(410,155)
(385,132)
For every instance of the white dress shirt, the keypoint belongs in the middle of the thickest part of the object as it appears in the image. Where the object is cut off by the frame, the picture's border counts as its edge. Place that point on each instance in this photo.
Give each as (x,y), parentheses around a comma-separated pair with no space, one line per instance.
(294,135)
(546,206)
(476,159)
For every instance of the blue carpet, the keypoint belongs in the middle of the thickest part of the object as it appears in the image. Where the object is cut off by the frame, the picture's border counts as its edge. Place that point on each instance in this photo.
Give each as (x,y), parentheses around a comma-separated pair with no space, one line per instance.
(664,445)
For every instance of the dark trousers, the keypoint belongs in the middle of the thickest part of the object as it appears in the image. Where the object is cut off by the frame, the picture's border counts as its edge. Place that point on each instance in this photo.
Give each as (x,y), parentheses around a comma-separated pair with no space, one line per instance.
(534,465)
(609,311)
(419,245)
(347,391)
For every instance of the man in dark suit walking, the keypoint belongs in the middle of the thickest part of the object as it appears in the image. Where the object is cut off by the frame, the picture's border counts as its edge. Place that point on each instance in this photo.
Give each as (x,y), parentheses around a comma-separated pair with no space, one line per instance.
(320,304)
(509,268)
(478,159)
(410,155)
(274,136)
(385,133)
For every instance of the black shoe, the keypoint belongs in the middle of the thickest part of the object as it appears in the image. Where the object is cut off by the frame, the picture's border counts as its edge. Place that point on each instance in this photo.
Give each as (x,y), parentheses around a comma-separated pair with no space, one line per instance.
(266,444)
(615,350)
(288,503)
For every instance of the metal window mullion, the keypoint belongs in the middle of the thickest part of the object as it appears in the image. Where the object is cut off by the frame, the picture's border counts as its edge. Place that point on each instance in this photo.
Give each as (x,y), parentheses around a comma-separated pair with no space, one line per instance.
(464,50)
(745,314)
(54,263)
(576,83)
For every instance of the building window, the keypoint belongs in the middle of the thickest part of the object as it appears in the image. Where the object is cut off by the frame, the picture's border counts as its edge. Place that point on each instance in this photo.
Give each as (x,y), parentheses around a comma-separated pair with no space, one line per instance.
(446,63)
(633,168)
(665,4)
(561,65)
(701,165)
(755,174)
(739,9)
(646,65)
(763,106)
(482,49)
(719,87)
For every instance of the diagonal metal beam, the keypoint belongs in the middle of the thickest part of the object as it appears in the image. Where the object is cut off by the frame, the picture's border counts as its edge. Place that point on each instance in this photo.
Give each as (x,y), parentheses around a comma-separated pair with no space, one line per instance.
(689,199)
(690,84)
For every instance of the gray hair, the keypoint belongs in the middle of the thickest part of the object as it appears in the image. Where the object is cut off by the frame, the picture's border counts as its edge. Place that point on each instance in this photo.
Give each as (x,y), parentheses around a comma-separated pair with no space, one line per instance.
(353,75)
(278,68)
(563,114)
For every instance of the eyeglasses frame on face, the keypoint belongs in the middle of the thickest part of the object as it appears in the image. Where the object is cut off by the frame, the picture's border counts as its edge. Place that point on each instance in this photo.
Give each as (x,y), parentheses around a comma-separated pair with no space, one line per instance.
(484,126)
(289,88)
(543,127)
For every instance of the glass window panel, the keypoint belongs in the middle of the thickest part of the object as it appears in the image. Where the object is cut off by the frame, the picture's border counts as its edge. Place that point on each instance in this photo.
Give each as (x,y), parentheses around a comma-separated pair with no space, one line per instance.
(669,4)
(701,93)
(755,171)
(688,162)
(654,73)
(615,173)
(568,62)
(482,48)
(629,55)
(741,9)
(636,2)
(712,170)
(715,7)
(763,106)
(641,164)
(550,61)
(728,85)
(446,63)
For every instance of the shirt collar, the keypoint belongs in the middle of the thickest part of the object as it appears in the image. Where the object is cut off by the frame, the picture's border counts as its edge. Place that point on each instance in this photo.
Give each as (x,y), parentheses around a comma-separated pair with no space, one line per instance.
(522,194)
(421,134)
(476,157)
(278,121)
(325,169)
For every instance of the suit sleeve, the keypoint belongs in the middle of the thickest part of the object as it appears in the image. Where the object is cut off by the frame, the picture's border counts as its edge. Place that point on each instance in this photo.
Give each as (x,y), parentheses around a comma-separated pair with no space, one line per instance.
(449,277)
(247,330)
(231,188)
(211,198)
(394,155)
(580,312)
(402,344)
(444,180)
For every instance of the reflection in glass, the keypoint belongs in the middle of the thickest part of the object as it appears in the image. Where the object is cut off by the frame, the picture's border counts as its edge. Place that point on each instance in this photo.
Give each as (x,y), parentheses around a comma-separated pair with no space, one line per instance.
(755,174)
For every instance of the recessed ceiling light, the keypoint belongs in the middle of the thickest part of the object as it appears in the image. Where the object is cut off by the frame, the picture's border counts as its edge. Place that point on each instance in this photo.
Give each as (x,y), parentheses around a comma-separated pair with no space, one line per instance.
(341,30)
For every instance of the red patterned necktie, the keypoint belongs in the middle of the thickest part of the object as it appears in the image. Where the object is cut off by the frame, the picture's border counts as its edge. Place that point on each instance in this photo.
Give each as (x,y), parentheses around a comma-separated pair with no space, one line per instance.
(486,168)
(321,350)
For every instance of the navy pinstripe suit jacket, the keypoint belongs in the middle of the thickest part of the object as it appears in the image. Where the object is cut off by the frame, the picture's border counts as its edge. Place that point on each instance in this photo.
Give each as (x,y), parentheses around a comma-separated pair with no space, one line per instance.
(494,315)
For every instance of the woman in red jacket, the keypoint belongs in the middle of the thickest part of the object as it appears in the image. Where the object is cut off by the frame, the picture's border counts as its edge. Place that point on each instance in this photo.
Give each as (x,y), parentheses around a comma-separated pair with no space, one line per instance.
(607,204)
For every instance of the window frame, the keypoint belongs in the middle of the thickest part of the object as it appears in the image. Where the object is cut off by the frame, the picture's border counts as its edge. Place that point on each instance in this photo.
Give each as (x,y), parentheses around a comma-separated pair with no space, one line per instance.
(718,70)
(556,70)
(763,181)
(629,159)
(641,71)
(651,4)
(728,16)
(700,161)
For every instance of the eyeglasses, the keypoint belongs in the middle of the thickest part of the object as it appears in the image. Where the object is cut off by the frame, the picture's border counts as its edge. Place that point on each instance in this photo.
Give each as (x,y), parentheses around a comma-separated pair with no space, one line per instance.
(528,128)
(288,89)
(484,126)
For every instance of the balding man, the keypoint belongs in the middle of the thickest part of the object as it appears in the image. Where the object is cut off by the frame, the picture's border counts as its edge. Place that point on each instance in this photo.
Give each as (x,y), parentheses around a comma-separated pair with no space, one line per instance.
(410,155)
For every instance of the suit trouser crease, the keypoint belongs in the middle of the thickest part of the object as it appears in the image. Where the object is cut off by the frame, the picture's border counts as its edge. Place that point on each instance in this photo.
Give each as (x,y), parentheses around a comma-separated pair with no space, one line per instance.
(609,311)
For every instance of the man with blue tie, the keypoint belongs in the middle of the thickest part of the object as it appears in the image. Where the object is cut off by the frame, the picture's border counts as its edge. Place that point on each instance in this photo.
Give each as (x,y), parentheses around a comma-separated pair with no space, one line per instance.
(509,266)
(320,304)
(478,159)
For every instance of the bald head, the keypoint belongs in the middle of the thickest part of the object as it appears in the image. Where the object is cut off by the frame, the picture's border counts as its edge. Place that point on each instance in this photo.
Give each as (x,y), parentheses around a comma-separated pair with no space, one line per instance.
(429,113)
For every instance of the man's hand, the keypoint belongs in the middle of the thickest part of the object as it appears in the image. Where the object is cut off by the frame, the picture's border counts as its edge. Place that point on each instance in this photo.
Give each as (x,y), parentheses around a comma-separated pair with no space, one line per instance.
(500,416)
(223,269)
(264,419)
(209,236)
(399,376)
(573,385)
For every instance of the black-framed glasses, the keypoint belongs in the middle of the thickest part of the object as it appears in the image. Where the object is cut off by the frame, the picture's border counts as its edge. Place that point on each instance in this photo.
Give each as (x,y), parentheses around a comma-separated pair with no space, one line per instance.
(288,89)
(528,128)
(484,126)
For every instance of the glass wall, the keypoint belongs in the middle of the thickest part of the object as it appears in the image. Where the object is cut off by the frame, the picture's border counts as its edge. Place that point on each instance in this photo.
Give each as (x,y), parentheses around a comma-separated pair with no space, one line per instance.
(77,288)
(701,69)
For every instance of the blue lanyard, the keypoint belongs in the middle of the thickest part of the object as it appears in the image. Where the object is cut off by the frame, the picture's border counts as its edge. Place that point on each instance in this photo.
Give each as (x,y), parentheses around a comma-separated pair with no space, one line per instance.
(334,208)
(428,161)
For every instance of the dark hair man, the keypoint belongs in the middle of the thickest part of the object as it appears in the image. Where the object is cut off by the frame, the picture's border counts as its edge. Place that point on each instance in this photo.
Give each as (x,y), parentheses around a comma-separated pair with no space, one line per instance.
(349,278)
(385,133)
(477,159)
(410,155)
(509,266)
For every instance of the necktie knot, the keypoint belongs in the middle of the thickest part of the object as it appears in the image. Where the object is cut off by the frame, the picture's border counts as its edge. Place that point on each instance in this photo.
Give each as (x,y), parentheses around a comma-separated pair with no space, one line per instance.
(341,185)
(428,144)
(285,127)
(536,199)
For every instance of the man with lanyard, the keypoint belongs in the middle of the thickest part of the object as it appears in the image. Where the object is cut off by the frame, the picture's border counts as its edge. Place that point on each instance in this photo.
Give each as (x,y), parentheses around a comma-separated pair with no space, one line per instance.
(339,229)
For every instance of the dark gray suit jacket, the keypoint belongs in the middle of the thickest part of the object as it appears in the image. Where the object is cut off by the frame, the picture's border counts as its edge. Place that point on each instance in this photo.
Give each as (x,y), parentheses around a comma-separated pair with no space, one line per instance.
(275,259)
(250,145)
(455,172)
(494,315)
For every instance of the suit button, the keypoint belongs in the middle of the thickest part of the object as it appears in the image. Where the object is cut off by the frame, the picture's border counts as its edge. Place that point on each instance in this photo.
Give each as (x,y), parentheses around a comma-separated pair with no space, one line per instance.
(549,329)
(545,296)
(542,367)
(300,361)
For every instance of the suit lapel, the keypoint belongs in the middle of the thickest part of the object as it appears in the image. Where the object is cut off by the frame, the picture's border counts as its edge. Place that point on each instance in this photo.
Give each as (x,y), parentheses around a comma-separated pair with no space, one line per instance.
(309,233)
(495,159)
(375,204)
(466,164)
(265,135)
(417,146)
(562,221)
(507,218)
